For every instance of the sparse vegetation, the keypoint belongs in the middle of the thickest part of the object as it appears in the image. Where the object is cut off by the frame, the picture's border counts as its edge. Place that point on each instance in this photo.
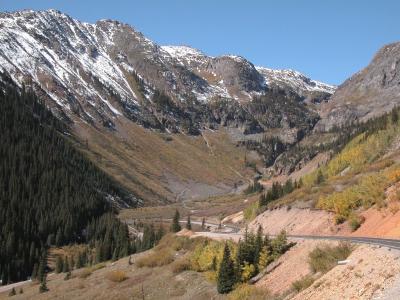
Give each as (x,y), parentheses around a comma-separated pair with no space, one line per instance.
(157,258)
(248,292)
(12,292)
(355,221)
(324,258)
(180,265)
(85,273)
(251,211)
(303,283)
(368,191)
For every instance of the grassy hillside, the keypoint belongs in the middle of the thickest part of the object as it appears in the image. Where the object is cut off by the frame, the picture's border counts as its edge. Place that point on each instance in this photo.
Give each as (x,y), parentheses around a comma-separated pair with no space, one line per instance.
(161,167)
(166,272)
(49,192)
(357,177)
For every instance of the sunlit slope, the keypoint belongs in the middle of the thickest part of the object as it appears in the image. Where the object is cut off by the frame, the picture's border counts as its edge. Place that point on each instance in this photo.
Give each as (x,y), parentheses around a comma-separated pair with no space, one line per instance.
(160,167)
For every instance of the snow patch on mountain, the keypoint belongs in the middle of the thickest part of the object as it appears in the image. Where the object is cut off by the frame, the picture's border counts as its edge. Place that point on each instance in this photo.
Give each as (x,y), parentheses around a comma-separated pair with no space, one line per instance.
(184,55)
(296,80)
(104,70)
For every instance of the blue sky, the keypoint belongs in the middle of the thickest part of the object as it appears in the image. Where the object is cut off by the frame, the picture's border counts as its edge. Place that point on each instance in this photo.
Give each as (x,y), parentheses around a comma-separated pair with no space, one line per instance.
(328,40)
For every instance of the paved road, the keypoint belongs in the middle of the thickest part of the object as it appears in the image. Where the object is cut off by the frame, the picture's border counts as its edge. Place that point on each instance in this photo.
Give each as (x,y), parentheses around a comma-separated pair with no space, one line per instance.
(230,228)
(232,232)
(390,243)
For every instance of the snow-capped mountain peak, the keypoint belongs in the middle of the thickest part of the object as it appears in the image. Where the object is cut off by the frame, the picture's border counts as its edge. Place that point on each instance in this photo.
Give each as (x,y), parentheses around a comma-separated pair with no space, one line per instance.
(99,72)
(294,79)
(181,51)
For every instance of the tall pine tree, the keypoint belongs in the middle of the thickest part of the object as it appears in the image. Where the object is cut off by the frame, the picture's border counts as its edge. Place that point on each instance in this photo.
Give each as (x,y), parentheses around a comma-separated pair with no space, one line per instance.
(226,275)
(175,226)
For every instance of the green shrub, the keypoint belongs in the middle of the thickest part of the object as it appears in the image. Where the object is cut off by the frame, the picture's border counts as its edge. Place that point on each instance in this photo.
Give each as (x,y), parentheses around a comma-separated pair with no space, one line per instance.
(355,222)
(251,211)
(206,255)
(303,283)
(248,292)
(323,259)
(339,219)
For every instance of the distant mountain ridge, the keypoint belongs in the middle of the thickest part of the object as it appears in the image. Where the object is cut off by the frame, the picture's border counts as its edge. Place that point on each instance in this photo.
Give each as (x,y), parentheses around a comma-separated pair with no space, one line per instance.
(98,72)
(370,92)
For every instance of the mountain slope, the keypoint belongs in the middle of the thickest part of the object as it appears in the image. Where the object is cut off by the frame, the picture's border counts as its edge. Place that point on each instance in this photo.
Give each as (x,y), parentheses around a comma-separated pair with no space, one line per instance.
(98,72)
(163,120)
(49,191)
(368,93)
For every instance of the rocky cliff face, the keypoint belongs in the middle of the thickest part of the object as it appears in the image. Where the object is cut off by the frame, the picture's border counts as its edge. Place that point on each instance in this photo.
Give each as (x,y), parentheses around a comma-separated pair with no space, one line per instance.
(97,73)
(368,93)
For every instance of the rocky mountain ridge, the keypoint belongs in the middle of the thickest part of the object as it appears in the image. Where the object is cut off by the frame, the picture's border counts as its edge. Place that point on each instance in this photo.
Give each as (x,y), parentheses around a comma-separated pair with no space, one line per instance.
(99,72)
(370,92)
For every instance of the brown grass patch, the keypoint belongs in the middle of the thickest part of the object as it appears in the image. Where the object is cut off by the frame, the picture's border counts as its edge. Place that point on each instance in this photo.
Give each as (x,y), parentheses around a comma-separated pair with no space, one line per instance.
(116,276)
(180,265)
(157,258)
(85,273)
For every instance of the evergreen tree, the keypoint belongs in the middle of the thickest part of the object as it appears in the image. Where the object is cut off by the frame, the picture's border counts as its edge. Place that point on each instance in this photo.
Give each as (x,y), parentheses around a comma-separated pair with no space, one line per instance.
(226,274)
(188,223)
(48,189)
(21,291)
(79,261)
(395,116)
(279,244)
(42,268)
(71,262)
(68,275)
(65,268)
(175,226)
(43,286)
(160,233)
(115,255)
(214,264)
(12,292)
(34,271)
(263,259)
(258,247)
(320,177)
(59,264)
(59,238)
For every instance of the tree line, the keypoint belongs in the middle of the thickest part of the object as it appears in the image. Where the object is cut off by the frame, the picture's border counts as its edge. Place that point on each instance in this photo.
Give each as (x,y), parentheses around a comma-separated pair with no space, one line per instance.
(50,194)
(254,253)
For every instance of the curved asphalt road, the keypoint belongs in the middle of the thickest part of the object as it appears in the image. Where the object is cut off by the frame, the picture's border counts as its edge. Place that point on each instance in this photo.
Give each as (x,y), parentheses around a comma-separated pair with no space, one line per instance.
(390,243)
(234,231)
